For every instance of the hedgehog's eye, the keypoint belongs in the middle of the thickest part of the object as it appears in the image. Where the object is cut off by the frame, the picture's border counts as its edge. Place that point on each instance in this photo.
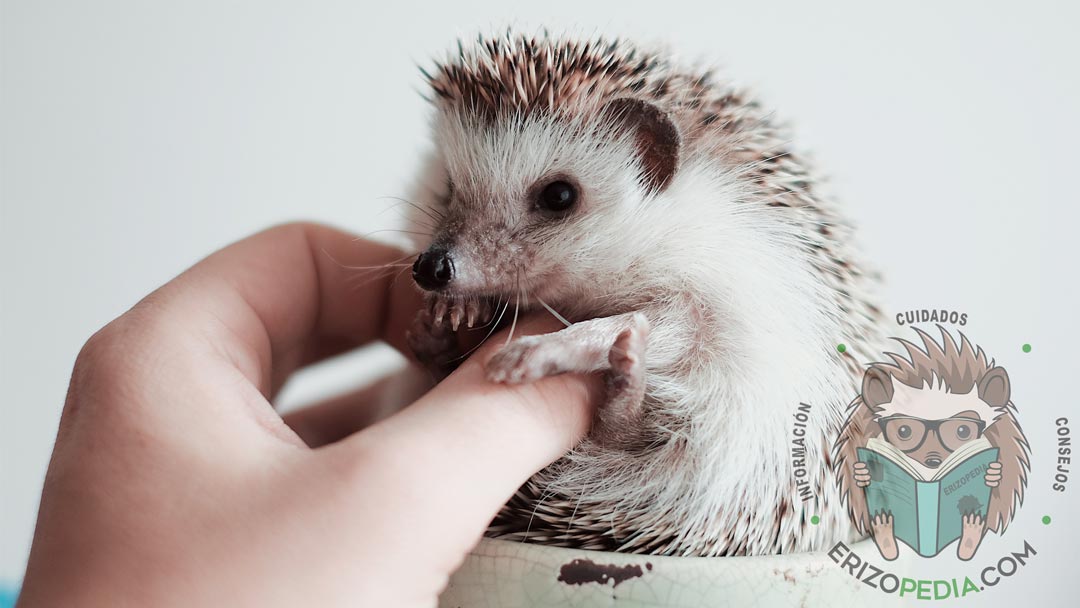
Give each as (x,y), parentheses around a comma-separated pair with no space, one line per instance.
(904,432)
(558,196)
(963,431)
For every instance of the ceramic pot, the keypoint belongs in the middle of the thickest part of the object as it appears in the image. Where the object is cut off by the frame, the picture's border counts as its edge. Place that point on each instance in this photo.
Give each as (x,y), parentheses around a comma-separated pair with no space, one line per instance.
(503,574)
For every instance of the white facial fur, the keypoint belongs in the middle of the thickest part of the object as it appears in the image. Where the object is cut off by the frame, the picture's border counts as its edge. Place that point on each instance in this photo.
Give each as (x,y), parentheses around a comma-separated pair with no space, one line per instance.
(497,239)
(742,325)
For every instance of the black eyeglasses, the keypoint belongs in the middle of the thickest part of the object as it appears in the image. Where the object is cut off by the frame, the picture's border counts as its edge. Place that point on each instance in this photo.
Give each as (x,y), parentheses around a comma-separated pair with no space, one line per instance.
(909,433)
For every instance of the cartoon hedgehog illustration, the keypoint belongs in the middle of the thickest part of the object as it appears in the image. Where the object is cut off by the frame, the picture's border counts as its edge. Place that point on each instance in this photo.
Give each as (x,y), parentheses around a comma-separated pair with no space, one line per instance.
(931,404)
(663,215)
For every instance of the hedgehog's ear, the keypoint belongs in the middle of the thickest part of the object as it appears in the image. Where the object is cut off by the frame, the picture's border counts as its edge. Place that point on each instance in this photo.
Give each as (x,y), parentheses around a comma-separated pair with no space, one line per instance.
(656,137)
(877,388)
(994,388)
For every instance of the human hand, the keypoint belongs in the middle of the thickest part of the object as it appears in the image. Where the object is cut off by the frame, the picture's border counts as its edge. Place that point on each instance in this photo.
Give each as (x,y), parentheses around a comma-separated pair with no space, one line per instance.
(174,482)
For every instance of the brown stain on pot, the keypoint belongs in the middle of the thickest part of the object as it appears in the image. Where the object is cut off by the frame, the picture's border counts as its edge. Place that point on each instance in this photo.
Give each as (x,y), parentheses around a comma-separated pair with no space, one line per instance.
(789,576)
(582,571)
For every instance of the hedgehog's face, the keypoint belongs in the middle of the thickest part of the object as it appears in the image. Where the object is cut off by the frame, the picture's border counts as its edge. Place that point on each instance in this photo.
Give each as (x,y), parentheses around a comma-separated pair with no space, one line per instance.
(533,203)
(929,442)
(931,421)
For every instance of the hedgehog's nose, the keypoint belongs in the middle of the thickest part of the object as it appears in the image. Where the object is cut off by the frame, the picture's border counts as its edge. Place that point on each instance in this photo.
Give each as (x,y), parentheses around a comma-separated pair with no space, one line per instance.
(434,269)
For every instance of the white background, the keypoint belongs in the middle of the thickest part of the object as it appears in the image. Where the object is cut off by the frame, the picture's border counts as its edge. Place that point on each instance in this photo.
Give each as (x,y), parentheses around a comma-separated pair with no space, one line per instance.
(138,136)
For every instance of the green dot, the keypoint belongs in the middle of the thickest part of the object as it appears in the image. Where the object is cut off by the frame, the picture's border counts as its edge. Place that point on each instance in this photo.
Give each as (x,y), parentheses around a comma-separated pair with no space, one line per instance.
(1027,348)
(841,347)
(1046,519)
(815,519)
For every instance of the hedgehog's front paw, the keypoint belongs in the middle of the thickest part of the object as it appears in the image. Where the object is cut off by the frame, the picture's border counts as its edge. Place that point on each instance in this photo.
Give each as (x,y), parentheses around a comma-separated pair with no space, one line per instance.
(618,421)
(433,341)
(973,526)
(861,474)
(884,537)
(525,360)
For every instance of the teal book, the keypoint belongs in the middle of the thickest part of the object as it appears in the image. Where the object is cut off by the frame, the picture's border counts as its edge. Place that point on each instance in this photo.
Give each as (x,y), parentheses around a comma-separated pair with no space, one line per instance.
(928,504)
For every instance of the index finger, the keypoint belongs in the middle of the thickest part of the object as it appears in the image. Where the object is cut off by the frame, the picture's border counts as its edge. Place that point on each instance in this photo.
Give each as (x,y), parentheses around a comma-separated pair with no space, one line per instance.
(288,295)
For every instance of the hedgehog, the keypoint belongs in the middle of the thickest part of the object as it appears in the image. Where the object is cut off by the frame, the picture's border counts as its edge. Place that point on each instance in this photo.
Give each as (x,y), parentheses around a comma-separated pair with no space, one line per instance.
(933,383)
(661,214)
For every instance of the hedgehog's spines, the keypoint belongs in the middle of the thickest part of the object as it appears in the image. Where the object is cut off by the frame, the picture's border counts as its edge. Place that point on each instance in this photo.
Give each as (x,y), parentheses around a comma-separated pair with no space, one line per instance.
(517,76)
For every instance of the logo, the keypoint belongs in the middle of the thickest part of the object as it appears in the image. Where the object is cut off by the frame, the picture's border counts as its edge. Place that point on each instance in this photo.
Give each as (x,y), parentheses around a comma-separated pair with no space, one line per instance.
(931,454)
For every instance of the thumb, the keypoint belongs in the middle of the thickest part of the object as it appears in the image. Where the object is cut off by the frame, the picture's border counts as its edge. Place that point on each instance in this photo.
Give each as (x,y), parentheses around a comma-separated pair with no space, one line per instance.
(464,448)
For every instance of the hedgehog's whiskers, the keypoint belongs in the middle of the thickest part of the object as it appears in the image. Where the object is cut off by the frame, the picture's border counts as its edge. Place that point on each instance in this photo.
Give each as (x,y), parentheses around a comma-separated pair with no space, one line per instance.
(552,311)
(517,307)
(410,232)
(366,274)
(397,276)
(433,214)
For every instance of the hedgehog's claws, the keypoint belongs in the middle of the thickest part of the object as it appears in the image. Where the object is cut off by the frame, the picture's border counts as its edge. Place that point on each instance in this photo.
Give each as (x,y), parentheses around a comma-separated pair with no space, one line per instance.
(457,309)
(472,308)
(438,311)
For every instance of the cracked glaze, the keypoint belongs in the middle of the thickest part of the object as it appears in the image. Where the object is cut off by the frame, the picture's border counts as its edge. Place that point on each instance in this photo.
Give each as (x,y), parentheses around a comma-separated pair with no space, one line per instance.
(507,574)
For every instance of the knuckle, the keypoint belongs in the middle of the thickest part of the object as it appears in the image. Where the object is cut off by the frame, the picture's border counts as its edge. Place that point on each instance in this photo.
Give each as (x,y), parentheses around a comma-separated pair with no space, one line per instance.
(110,363)
(295,226)
(101,353)
(296,229)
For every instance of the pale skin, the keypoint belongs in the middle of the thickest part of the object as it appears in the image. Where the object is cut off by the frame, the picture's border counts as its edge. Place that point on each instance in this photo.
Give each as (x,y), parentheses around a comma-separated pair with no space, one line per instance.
(174,482)
(973,525)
